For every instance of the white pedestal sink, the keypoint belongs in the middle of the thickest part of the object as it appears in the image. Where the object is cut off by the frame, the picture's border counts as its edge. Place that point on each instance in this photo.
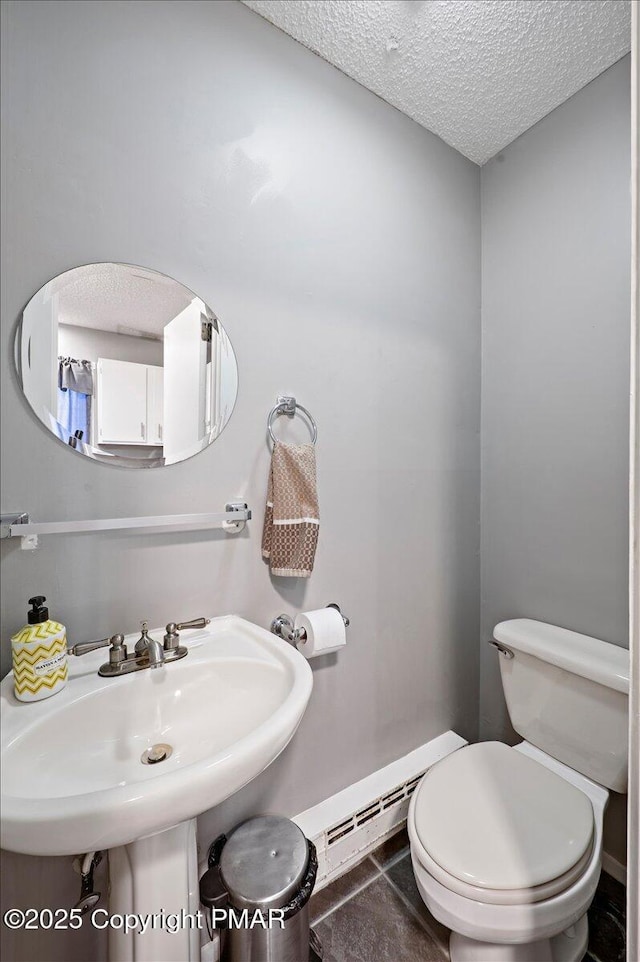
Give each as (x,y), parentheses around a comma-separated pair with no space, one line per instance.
(73,780)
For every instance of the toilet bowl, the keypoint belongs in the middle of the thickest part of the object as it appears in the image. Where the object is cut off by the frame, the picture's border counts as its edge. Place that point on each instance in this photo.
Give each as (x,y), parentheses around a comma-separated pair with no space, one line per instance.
(517,924)
(506,843)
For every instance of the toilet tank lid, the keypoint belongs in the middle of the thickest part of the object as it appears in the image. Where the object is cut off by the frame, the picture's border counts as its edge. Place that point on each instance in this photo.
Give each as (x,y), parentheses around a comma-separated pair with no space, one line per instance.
(590,658)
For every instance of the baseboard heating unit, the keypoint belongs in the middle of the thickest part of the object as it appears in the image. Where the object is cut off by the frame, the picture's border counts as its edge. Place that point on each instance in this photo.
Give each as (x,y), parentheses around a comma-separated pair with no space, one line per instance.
(345,827)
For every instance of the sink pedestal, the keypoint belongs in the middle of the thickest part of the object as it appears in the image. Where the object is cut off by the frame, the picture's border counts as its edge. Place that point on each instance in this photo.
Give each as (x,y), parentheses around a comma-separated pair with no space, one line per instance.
(155,878)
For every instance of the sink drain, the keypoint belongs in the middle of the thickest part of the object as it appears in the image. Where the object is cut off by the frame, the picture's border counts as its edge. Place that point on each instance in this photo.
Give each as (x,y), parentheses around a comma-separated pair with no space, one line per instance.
(157,753)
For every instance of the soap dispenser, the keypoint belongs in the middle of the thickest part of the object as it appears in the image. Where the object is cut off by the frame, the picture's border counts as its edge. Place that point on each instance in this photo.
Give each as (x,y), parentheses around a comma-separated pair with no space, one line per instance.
(39,654)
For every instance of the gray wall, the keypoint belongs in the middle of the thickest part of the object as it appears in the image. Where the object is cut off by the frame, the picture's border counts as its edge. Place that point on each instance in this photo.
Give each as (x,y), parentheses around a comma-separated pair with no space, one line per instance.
(88,344)
(339,244)
(555,379)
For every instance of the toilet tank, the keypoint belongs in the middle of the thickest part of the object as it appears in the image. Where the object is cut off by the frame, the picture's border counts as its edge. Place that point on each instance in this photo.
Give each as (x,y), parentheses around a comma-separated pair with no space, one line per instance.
(568,694)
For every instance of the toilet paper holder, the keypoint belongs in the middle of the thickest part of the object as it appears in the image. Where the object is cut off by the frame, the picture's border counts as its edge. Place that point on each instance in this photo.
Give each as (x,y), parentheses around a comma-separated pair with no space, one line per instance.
(283,626)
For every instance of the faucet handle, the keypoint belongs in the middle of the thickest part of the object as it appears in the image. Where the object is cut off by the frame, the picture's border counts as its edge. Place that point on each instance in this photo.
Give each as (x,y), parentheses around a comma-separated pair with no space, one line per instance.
(118,650)
(194,623)
(172,638)
(84,647)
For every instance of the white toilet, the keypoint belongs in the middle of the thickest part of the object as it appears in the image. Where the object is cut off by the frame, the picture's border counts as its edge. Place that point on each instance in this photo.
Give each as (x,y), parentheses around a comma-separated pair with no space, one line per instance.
(506,843)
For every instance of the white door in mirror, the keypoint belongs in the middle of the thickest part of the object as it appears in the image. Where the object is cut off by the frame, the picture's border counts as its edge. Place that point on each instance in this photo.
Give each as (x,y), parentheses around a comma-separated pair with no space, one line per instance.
(185,375)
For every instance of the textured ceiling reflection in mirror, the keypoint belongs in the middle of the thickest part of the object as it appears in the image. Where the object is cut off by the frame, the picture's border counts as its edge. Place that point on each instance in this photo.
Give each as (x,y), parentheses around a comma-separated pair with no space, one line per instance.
(119,298)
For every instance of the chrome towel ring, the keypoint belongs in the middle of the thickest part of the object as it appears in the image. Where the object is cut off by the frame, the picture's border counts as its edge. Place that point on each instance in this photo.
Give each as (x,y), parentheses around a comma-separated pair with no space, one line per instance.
(289,406)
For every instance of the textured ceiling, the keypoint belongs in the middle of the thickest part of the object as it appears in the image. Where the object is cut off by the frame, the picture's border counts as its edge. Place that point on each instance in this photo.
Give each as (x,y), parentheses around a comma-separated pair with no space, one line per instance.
(119,298)
(476,72)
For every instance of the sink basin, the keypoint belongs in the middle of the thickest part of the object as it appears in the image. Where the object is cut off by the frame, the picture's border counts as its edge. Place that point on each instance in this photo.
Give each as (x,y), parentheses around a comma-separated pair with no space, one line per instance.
(72,776)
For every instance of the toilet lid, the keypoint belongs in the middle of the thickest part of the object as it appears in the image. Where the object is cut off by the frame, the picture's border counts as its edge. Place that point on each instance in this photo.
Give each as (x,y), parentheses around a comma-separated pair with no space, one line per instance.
(492,817)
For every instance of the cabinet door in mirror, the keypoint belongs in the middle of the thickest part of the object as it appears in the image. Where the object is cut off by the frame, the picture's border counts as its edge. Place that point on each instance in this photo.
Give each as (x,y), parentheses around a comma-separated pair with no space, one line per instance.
(126,365)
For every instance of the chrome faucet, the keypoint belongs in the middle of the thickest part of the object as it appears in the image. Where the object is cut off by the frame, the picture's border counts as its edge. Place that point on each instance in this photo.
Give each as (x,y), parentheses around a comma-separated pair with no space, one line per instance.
(151,647)
(148,652)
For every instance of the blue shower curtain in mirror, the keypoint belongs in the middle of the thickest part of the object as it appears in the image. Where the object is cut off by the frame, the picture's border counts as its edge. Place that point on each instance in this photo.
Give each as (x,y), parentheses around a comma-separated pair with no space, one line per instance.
(75,389)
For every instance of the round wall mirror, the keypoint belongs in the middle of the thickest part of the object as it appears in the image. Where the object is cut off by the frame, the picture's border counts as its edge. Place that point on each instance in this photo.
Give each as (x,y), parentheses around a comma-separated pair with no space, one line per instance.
(126,366)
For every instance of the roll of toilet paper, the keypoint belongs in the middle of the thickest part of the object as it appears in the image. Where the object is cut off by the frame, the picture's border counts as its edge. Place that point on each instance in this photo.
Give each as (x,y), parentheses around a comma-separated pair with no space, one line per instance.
(325,632)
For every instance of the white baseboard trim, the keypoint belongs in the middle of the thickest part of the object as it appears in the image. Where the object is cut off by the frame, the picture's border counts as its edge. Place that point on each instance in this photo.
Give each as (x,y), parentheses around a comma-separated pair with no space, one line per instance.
(615,868)
(350,824)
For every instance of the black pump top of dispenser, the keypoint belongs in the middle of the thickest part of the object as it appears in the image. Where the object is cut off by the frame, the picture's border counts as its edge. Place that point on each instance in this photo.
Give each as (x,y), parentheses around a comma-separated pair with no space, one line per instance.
(38,611)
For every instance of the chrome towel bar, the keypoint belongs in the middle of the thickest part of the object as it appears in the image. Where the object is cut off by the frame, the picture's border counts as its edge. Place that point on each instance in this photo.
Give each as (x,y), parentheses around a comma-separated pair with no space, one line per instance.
(19,525)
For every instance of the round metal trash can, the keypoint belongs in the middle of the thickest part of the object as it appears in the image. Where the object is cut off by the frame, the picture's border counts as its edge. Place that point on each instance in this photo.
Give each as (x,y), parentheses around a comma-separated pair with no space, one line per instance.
(258,887)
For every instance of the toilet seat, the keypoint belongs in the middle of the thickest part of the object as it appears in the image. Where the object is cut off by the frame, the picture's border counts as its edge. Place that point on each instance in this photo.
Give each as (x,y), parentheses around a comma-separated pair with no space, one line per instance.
(520,896)
(496,826)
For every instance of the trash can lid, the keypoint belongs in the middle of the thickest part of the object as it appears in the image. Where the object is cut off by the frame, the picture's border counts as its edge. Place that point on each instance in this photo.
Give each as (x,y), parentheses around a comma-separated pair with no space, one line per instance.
(263,862)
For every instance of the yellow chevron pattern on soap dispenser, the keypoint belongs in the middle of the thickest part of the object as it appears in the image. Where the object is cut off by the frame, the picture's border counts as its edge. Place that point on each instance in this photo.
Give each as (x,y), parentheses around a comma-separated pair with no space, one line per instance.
(28,659)
(39,660)
(44,630)
(37,687)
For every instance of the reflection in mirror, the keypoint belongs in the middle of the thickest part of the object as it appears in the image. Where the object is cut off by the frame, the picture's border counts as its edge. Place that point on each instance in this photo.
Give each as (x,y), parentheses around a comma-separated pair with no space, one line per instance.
(126,365)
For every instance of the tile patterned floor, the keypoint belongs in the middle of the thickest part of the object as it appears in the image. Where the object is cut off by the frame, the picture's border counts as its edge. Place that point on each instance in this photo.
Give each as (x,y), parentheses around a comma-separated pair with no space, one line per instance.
(375,914)
(607,922)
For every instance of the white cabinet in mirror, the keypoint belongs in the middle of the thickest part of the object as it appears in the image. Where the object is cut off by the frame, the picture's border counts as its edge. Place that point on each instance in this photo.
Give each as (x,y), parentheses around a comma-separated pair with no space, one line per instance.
(126,365)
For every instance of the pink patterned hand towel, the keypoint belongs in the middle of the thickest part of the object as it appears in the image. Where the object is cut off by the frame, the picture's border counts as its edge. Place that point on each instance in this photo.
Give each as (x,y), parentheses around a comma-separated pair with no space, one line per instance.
(292,519)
